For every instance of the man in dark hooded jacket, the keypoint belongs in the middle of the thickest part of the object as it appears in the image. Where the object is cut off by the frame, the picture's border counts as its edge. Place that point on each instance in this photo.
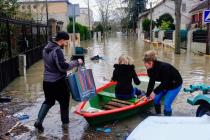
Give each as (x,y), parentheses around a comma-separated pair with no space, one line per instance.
(54,82)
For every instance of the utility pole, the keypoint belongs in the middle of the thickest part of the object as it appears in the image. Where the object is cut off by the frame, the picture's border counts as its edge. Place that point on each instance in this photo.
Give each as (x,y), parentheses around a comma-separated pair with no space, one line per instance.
(89,18)
(47,30)
(208,34)
(74,35)
(150,22)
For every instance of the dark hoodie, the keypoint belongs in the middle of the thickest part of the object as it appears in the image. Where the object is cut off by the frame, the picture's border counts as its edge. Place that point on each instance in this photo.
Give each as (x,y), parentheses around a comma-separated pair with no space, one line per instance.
(55,66)
(123,75)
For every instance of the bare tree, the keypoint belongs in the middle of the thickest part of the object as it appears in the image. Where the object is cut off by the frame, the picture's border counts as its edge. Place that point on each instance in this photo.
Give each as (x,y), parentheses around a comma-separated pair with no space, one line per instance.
(208,31)
(177,26)
(36,9)
(104,11)
(119,16)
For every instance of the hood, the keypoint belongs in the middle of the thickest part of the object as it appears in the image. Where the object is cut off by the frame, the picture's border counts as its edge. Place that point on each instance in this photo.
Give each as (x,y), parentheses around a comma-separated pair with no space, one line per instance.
(50,46)
(124,67)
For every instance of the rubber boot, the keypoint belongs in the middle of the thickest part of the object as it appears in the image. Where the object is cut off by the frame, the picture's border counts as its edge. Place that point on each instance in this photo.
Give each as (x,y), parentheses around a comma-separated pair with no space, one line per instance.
(158,109)
(65,118)
(42,113)
(167,113)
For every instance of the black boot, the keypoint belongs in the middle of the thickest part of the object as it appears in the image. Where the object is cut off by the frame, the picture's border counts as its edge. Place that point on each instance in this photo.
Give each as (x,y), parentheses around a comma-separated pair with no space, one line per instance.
(42,113)
(167,113)
(158,109)
(65,118)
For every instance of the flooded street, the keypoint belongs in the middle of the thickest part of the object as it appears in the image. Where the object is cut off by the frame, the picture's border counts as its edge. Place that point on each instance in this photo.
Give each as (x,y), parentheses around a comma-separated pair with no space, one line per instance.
(27,91)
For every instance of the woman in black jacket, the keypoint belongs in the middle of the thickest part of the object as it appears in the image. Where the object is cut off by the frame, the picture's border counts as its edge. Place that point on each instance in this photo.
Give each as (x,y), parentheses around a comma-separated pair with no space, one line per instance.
(170,78)
(123,74)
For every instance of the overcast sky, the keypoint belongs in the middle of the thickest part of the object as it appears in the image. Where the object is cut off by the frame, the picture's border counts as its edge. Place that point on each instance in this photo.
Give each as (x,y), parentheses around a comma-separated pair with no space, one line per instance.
(94,7)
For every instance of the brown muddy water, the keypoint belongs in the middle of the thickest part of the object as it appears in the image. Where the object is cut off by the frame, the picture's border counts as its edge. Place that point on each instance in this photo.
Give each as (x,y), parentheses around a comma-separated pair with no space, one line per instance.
(27,91)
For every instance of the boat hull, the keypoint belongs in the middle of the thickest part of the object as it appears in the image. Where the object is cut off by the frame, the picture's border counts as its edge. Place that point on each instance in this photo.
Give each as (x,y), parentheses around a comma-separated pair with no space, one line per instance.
(100,120)
(106,94)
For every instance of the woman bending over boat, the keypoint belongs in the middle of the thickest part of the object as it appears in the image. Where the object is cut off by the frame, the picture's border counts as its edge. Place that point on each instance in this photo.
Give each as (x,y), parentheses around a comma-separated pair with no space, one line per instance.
(170,78)
(123,74)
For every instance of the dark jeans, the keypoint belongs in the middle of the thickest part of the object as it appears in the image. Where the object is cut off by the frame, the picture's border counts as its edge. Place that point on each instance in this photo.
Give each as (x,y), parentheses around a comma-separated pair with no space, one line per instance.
(135,92)
(57,91)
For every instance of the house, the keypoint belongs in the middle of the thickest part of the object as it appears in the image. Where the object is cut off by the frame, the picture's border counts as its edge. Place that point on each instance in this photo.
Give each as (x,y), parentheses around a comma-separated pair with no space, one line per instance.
(197,14)
(58,10)
(168,6)
(142,16)
(84,17)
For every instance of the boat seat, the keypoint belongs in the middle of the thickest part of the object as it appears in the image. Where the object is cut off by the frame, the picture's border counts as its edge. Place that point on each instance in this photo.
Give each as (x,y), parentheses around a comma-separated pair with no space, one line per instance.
(109,107)
(114,103)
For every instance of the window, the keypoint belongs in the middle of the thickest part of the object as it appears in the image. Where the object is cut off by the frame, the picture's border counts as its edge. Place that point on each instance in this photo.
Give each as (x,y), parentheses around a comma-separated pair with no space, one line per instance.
(29,6)
(195,18)
(34,6)
(183,7)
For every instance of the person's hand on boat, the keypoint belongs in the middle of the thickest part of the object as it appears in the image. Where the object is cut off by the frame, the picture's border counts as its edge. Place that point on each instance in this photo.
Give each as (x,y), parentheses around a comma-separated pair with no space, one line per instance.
(140,96)
(152,94)
(148,97)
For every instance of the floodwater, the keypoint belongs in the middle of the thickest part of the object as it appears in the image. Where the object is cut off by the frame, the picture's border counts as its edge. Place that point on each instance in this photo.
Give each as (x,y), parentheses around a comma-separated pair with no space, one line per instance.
(27,91)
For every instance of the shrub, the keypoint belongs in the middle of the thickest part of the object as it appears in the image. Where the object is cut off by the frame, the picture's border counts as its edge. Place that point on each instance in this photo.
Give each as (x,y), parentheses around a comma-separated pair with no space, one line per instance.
(83,30)
(146,25)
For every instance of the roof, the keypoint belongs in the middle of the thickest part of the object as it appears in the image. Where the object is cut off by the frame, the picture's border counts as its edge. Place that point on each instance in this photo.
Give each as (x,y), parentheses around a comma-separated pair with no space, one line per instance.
(200,6)
(160,3)
(147,11)
(41,1)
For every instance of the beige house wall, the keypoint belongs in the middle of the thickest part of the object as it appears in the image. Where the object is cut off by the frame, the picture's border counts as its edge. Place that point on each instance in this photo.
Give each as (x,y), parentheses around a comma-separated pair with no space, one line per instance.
(56,10)
(84,19)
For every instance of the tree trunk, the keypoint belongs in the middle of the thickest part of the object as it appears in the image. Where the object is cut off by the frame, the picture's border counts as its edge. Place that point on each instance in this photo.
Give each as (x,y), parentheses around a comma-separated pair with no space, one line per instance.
(178,22)
(208,35)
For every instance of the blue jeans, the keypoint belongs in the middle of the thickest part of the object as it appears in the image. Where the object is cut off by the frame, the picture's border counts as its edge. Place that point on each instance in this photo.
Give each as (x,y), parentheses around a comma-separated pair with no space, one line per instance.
(131,95)
(170,95)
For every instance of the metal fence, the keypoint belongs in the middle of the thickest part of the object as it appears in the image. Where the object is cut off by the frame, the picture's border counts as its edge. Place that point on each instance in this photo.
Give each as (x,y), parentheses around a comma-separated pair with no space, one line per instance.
(200,36)
(156,34)
(19,37)
(168,34)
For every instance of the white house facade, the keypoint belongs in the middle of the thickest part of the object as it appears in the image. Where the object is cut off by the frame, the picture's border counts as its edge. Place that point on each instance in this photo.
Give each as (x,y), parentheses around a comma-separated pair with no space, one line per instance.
(168,6)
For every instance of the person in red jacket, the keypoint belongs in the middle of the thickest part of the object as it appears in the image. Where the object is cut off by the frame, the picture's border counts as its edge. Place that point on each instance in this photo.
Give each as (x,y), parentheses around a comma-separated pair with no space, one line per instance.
(124,72)
(169,78)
